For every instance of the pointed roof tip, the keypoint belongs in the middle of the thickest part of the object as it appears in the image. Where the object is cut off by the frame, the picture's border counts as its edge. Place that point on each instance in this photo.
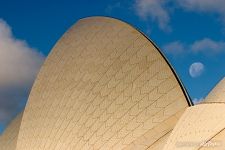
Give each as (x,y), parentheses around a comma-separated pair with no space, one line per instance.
(217,94)
(87,19)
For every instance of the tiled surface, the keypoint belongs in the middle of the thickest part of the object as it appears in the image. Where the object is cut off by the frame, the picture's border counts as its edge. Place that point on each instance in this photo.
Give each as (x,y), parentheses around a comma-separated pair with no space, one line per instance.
(160,143)
(156,137)
(103,86)
(197,125)
(215,143)
(8,139)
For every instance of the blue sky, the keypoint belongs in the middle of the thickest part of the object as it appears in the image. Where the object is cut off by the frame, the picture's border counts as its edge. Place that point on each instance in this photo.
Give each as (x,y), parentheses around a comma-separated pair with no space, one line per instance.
(189,32)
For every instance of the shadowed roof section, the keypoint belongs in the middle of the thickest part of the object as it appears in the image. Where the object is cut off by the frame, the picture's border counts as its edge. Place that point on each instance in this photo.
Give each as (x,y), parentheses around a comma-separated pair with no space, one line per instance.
(9,137)
(103,86)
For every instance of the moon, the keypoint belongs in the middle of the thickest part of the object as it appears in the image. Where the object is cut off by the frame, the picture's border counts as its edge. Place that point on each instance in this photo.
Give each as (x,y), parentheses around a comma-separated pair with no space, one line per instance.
(196,69)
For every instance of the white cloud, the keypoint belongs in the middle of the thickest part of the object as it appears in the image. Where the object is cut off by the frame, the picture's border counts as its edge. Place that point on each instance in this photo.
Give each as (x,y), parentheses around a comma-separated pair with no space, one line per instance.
(174,48)
(196,69)
(204,46)
(205,6)
(112,7)
(208,45)
(19,65)
(214,6)
(158,10)
(154,9)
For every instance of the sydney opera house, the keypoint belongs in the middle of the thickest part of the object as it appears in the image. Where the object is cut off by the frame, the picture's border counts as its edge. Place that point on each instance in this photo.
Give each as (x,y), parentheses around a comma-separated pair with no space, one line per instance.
(105,85)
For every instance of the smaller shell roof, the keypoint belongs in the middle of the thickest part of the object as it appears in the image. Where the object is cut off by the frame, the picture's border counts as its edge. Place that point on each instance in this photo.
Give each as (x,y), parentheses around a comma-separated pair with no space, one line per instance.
(197,125)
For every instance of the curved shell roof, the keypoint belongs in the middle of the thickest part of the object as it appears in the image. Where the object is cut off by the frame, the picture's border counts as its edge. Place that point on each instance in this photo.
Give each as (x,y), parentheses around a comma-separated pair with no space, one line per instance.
(9,137)
(104,85)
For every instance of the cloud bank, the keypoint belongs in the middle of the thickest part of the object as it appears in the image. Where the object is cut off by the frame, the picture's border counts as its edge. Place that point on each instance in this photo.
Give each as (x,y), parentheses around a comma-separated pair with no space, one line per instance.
(19,65)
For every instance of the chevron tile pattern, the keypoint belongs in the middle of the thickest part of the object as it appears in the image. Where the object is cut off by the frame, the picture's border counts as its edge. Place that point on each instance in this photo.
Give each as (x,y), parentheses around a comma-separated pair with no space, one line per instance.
(103,86)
